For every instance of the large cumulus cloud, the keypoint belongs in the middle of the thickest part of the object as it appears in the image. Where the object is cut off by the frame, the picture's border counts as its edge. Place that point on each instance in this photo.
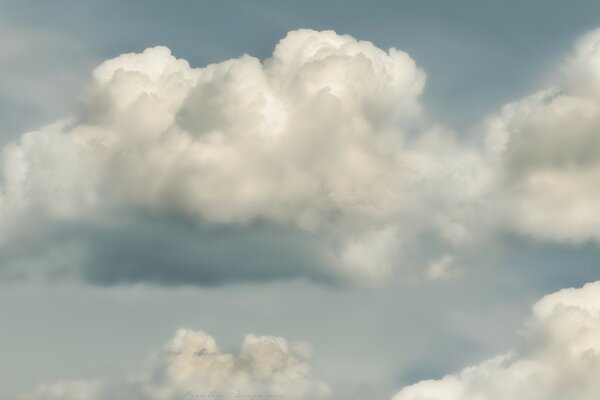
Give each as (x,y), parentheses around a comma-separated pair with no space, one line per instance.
(317,162)
(559,359)
(192,366)
(322,143)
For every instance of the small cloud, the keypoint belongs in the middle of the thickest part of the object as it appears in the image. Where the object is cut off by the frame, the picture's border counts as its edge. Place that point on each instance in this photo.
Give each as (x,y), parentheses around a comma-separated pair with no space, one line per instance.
(442,269)
(191,365)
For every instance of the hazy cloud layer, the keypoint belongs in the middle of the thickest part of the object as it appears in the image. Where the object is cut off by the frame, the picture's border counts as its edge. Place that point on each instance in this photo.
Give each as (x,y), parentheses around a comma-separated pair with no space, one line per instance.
(559,359)
(191,365)
(173,174)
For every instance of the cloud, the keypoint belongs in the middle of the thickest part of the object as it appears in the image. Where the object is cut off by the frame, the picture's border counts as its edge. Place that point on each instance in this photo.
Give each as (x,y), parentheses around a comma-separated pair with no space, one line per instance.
(559,359)
(323,141)
(546,150)
(317,162)
(441,269)
(191,365)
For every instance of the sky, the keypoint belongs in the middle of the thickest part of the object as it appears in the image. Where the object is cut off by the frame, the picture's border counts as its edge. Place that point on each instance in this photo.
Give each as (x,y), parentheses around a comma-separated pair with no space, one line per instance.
(320,199)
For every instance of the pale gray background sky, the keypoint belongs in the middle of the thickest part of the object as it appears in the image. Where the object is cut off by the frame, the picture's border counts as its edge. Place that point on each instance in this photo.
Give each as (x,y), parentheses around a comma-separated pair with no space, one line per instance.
(477,54)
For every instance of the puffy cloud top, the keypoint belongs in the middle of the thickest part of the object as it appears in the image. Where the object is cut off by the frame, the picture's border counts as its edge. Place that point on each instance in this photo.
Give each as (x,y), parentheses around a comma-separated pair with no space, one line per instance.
(302,134)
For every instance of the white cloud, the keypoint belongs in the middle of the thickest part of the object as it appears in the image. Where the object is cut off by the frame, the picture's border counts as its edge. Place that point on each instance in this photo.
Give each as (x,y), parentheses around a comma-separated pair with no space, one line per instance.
(191,365)
(324,137)
(546,148)
(324,140)
(560,358)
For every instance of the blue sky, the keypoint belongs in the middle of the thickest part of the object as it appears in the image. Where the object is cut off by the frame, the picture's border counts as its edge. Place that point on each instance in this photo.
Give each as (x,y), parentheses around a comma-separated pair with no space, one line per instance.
(260,275)
(469,47)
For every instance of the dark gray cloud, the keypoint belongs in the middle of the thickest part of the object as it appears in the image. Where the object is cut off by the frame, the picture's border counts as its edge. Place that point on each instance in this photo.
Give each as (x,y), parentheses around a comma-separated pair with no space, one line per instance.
(165,251)
(168,252)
